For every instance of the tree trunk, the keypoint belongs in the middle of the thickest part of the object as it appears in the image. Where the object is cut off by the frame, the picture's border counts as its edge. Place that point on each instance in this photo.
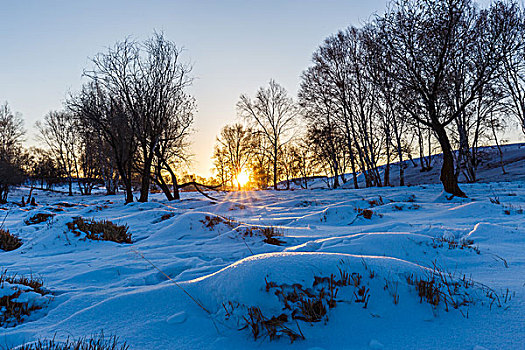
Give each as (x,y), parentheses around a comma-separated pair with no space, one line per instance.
(70,180)
(176,194)
(145,181)
(162,184)
(448,177)
(129,193)
(275,168)
(401,164)
(129,186)
(354,170)
(336,173)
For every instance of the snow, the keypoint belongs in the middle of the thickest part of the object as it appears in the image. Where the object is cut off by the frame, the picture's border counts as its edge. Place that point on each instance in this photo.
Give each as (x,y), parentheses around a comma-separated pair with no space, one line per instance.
(99,285)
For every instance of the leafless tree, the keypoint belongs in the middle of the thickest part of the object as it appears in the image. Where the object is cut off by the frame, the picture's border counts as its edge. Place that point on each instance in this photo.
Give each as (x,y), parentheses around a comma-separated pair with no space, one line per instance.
(97,109)
(319,109)
(234,150)
(274,113)
(44,170)
(11,135)
(60,134)
(513,69)
(338,87)
(432,45)
(147,79)
(173,144)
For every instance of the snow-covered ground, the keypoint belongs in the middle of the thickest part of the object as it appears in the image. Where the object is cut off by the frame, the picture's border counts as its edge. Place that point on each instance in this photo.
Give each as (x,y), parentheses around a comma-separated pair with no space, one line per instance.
(98,285)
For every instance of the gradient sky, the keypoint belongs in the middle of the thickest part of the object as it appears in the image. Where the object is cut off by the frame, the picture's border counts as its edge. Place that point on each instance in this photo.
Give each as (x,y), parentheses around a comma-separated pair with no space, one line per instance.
(234,46)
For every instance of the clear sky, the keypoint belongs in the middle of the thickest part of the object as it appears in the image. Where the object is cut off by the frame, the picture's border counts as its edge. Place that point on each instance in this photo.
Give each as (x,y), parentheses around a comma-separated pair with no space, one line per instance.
(234,46)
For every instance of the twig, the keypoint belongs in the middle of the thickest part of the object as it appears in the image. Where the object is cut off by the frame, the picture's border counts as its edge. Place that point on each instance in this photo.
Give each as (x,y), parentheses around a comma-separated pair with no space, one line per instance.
(171,280)
(244,240)
(5,217)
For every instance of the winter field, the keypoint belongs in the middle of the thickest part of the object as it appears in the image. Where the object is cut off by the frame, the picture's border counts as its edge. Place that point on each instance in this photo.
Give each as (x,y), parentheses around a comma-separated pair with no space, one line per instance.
(392,268)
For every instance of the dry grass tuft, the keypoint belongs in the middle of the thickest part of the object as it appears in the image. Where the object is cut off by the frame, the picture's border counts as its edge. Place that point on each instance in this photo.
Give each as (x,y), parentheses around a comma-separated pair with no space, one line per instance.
(268,232)
(273,327)
(366,213)
(38,218)
(167,216)
(98,342)
(441,286)
(376,202)
(103,230)
(9,241)
(12,311)
(300,304)
(453,244)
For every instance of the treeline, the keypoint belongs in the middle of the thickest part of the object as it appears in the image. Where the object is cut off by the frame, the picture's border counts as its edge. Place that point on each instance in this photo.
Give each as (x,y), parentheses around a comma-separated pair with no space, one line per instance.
(128,126)
(426,77)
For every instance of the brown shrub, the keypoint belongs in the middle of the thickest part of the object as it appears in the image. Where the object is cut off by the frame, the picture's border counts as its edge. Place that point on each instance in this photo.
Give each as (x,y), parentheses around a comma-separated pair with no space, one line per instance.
(12,311)
(211,221)
(269,232)
(366,213)
(8,241)
(273,327)
(38,218)
(103,230)
(166,216)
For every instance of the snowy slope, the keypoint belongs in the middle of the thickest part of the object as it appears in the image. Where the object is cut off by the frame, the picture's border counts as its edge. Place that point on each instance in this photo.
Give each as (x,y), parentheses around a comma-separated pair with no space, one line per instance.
(104,285)
(489,169)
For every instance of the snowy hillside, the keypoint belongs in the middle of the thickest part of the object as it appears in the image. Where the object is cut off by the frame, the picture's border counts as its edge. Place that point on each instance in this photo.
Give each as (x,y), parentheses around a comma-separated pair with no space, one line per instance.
(395,268)
(488,170)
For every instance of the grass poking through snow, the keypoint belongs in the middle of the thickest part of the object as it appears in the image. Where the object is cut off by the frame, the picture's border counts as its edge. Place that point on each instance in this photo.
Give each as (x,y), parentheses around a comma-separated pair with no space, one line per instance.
(103,230)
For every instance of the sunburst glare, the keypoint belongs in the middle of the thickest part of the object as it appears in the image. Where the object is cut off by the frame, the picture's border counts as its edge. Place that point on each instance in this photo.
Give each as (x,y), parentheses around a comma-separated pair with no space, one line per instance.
(243,177)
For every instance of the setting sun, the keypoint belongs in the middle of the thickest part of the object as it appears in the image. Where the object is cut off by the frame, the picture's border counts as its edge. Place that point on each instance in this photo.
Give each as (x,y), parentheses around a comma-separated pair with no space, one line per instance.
(243,177)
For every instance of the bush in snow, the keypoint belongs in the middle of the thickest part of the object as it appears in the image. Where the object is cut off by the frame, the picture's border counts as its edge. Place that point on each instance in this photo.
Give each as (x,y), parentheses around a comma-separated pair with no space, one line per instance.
(20,296)
(38,218)
(103,230)
(300,303)
(8,241)
(268,232)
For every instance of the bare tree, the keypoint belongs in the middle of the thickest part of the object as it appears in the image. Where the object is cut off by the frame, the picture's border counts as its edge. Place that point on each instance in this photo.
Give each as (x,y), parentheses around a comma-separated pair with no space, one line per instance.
(426,41)
(147,79)
(339,88)
(173,144)
(393,117)
(234,150)
(274,113)
(513,70)
(44,169)
(97,109)
(11,134)
(60,134)
(319,109)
